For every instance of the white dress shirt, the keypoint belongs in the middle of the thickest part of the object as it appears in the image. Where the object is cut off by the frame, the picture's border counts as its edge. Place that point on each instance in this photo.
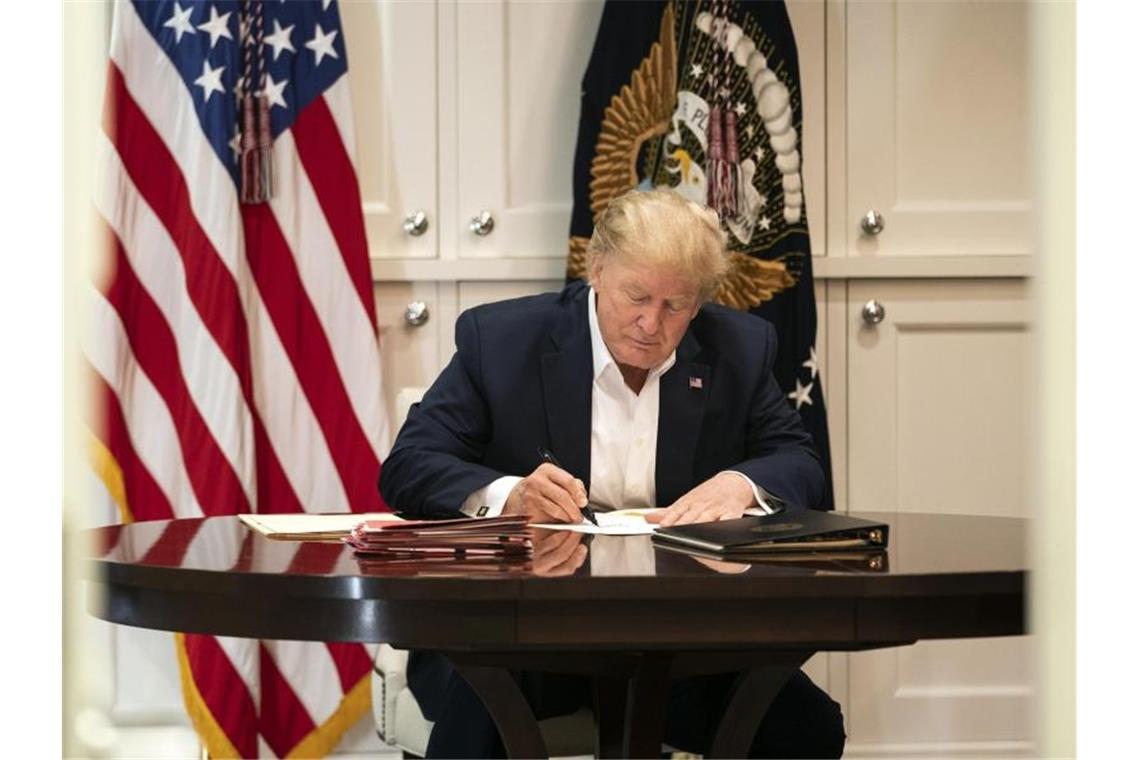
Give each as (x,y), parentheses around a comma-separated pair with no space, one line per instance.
(623,439)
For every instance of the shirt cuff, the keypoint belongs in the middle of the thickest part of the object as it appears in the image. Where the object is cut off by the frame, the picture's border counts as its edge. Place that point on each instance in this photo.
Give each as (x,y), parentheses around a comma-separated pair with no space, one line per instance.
(762,506)
(490,500)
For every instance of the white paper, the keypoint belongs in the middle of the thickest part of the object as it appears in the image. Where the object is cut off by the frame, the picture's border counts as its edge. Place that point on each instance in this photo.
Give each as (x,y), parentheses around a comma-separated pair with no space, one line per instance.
(620,522)
(298,524)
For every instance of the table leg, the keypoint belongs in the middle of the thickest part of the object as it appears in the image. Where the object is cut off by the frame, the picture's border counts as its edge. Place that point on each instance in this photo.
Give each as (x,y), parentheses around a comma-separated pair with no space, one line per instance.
(610,694)
(507,706)
(645,706)
(752,696)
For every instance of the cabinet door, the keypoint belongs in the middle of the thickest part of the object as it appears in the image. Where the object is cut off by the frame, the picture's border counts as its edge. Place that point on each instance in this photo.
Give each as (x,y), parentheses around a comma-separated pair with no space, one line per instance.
(937,411)
(938,129)
(392,64)
(519,68)
(938,422)
(409,353)
(477,293)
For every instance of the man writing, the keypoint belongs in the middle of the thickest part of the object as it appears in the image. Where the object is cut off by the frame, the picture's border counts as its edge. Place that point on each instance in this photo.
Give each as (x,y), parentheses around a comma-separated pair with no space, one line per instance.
(646,395)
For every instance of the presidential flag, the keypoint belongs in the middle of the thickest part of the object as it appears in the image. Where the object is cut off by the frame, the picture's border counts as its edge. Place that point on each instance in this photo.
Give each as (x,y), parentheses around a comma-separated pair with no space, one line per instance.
(232,344)
(704,98)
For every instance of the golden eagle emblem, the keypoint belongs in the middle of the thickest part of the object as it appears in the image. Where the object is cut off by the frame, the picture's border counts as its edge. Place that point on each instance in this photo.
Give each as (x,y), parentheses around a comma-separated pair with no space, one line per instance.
(641,111)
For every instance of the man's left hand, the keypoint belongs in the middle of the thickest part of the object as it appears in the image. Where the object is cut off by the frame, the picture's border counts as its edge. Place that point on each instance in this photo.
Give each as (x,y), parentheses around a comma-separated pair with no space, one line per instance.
(721,497)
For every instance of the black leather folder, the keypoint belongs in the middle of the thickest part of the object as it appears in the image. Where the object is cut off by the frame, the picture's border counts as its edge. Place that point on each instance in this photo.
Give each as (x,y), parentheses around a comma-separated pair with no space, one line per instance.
(867,560)
(800,531)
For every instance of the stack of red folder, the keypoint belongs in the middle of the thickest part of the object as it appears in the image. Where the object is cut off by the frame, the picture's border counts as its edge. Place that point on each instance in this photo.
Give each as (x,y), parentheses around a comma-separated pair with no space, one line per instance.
(446,567)
(466,538)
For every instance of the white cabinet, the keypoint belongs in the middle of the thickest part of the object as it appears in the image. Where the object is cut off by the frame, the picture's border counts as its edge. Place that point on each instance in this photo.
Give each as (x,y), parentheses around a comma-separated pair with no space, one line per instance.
(392,72)
(463,108)
(410,354)
(937,133)
(460,108)
(474,293)
(934,402)
(964,698)
(938,422)
(519,68)
(938,414)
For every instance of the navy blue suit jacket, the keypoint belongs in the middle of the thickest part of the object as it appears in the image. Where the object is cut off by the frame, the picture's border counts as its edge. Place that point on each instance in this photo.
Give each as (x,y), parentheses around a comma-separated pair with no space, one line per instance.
(521,379)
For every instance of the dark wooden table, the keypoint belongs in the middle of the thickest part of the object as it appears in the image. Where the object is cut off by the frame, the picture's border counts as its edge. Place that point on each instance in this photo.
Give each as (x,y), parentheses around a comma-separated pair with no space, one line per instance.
(628,614)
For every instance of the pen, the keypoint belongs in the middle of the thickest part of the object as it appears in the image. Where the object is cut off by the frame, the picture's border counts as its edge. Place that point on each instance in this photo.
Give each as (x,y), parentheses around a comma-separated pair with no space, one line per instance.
(549,458)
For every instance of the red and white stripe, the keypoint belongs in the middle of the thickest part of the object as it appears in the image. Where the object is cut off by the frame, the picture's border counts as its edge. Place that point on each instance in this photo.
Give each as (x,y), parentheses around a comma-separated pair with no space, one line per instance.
(234,357)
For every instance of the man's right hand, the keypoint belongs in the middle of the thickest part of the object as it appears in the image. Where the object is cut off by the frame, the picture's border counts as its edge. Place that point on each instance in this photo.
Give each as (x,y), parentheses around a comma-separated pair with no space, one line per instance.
(548,494)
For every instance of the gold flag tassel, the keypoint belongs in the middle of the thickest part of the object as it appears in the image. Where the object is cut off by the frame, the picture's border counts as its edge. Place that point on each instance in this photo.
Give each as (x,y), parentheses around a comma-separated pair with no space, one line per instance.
(735,202)
(256,130)
(723,168)
(724,162)
(250,164)
(265,149)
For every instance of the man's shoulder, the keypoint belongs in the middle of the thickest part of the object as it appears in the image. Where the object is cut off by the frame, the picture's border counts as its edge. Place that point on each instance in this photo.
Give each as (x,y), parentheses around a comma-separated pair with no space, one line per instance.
(736,337)
(715,320)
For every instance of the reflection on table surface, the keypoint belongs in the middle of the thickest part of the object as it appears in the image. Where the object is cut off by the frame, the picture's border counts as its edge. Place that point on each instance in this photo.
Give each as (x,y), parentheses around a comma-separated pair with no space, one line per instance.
(919,544)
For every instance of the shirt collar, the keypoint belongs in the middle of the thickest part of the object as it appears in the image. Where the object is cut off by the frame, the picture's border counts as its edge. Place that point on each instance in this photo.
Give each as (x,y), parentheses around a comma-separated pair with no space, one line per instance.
(602,355)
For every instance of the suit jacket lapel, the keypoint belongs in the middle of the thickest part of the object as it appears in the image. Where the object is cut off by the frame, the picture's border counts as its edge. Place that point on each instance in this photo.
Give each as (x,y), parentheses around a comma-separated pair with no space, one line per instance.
(684,393)
(567,384)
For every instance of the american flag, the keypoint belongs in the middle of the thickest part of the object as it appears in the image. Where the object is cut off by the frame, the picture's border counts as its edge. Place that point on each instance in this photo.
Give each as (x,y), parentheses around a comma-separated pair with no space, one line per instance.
(232,346)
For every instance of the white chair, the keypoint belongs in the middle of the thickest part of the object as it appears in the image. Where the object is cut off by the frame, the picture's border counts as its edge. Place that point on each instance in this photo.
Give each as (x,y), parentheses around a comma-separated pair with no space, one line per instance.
(401,725)
(399,721)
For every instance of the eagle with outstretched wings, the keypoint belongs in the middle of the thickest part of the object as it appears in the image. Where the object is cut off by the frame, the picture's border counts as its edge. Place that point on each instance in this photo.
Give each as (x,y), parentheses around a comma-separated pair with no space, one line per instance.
(643,112)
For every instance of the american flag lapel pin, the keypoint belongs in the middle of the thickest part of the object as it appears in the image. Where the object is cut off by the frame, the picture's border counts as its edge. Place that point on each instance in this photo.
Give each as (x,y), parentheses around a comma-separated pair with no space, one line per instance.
(696,383)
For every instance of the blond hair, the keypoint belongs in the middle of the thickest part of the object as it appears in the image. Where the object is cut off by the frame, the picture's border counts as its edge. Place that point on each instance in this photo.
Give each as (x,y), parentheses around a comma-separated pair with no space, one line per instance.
(662,228)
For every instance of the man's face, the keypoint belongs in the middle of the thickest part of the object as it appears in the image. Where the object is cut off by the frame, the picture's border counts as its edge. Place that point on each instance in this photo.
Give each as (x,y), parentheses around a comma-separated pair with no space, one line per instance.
(643,311)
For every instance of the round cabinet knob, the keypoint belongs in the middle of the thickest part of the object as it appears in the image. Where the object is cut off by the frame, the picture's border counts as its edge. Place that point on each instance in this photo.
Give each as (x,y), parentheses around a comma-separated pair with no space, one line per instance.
(482,224)
(873,313)
(872,223)
(416,223)
(416,314)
